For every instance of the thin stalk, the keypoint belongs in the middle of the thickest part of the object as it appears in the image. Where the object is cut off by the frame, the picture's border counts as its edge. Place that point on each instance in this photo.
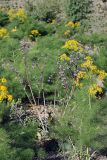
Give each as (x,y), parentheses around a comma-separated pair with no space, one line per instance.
(27,77)
(69,98)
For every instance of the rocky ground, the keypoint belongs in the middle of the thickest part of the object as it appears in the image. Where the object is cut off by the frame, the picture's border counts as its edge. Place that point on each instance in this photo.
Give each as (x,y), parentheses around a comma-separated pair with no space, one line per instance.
(98,17)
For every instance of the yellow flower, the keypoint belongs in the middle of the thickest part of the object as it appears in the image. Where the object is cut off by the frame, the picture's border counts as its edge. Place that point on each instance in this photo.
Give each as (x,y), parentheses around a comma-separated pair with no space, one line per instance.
(9,97)
(64,57)
(20,14)
(81,74)
(1,98)
(88,63)
(3,33)
(73,45)
(95,89)
(4,94)
(3,80)
(11,14)
(101,74)
(67,33)
(93,68)
(77,24)
(53,21)
(14,29)
(35,32)
(3,88)
(70,24)
(88,58)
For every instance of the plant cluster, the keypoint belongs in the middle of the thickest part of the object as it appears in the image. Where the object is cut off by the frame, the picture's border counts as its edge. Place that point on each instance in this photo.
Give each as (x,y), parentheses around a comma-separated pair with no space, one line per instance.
(71,28)
(79,10)
(34,34)
(17,14)
(87,70)
(4,18)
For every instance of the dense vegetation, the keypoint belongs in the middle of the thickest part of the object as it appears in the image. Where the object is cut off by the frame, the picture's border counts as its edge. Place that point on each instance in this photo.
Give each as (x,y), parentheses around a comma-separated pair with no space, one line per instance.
(53,80)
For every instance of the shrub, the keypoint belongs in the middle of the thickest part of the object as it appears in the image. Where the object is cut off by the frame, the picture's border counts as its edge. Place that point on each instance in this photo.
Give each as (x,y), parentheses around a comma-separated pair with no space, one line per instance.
(26,154)
(43,28)
(4,113)
(23,136)
(46,10)
(78,9)
(5,149)
(92,39)
(4,19)
(77,125)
